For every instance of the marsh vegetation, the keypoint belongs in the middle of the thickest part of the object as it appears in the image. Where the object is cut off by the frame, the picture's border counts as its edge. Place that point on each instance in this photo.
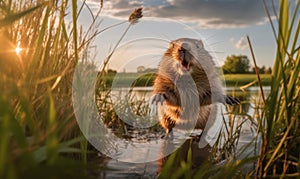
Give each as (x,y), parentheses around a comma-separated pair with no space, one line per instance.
(41,45)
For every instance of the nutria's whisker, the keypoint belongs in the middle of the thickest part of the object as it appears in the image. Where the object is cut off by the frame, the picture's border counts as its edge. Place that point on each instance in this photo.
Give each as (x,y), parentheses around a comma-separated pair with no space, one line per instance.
(216,43)
(212,36)
(215,52)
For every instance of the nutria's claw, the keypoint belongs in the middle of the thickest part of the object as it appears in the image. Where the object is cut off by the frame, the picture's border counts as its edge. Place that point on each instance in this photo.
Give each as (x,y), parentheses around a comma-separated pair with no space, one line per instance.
(159,98)
(231,100)
(154,100)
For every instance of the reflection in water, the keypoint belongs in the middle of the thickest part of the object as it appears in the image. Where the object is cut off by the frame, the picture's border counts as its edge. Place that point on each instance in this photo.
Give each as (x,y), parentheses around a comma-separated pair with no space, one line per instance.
(199,155)
(117,169)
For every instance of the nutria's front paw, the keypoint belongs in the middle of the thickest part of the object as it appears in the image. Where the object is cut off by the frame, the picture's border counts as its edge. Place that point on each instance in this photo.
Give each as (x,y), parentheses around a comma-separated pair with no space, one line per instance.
(154,100)
(160,97)
(231,100)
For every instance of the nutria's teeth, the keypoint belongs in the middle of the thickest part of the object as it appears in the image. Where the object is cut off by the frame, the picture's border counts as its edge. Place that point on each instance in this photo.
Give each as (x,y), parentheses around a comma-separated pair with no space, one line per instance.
(182,54)
(185,64)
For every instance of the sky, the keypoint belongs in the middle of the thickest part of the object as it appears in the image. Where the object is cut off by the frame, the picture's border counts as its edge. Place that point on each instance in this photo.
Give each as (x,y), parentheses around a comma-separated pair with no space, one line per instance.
(221,24)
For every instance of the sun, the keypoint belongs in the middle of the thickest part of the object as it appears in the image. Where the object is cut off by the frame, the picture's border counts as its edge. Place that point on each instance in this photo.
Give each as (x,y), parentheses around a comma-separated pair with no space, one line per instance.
(18,50)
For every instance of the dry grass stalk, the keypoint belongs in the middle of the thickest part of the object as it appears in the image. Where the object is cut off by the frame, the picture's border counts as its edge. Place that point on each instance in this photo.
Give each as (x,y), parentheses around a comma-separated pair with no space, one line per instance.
(136,15)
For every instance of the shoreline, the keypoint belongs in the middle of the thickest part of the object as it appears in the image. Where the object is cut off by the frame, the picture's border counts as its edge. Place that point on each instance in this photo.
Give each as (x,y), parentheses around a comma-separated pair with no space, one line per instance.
(146,80)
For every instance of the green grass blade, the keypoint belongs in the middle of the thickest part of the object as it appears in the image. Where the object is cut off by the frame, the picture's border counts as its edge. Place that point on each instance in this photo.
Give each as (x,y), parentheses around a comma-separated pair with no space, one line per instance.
(292,26)
(4,132)
(75,34)
(14,17)
(294,49)
(52,141)
(38,47)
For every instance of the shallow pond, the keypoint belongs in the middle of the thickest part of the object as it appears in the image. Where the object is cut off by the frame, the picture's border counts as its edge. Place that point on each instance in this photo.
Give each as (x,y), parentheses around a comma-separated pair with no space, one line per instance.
(146,145)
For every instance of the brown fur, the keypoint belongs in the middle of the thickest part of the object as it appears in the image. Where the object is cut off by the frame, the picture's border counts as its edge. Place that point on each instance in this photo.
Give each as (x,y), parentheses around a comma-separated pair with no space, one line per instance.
(187,73)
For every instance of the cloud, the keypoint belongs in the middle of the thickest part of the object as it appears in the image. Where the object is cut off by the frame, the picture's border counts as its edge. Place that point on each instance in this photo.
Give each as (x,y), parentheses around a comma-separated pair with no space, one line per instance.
(242,43)
(202,13)
(119,9)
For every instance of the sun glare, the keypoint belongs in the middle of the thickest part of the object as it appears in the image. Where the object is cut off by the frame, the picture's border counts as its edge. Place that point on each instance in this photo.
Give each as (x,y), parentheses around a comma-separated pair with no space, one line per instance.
(18,50)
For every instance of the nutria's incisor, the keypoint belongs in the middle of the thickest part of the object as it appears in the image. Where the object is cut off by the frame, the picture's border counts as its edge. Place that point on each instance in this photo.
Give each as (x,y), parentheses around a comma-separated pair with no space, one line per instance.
(188,83)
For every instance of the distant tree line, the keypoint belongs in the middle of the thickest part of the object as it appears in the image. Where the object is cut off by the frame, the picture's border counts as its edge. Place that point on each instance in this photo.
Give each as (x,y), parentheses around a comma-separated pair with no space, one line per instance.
(240,64)
(111,71)
(143,69)
(234,64)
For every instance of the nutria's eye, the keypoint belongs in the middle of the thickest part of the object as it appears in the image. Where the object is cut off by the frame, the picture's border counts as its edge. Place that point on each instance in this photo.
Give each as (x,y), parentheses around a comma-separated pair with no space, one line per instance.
(172,45)
(199,44)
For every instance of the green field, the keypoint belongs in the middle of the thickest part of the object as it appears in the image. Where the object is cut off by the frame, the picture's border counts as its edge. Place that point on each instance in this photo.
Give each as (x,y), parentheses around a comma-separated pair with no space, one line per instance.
(138,79)
(243,79)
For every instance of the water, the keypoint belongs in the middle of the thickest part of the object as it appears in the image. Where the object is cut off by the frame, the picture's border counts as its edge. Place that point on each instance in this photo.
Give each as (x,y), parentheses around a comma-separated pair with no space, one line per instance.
(143,139)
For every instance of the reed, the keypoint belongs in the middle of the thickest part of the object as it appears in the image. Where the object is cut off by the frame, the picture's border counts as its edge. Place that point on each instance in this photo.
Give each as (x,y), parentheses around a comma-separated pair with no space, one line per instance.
(280,152)
(276,115)
(39,51)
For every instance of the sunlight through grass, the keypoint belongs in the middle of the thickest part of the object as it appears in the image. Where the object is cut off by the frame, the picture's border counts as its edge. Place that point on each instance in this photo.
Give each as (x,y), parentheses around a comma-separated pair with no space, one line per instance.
(18,50)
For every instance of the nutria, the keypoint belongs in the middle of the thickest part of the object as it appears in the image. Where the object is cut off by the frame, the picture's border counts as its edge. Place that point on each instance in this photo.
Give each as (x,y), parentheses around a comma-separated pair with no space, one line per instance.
(185,74)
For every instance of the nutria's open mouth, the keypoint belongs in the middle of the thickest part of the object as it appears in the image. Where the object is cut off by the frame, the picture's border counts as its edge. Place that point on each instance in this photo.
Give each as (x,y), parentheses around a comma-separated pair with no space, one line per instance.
(184,63)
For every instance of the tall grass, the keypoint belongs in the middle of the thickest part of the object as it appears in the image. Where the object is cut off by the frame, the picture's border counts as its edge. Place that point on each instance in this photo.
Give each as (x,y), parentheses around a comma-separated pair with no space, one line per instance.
(39,136)
(38,132)
(280,120)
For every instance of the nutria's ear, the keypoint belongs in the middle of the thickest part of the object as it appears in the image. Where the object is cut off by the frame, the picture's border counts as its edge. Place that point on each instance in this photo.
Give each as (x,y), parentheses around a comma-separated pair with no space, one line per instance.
(199,44)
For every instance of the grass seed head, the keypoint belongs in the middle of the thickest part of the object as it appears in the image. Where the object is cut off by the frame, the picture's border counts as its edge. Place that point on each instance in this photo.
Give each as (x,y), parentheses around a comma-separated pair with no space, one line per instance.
(135,15)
